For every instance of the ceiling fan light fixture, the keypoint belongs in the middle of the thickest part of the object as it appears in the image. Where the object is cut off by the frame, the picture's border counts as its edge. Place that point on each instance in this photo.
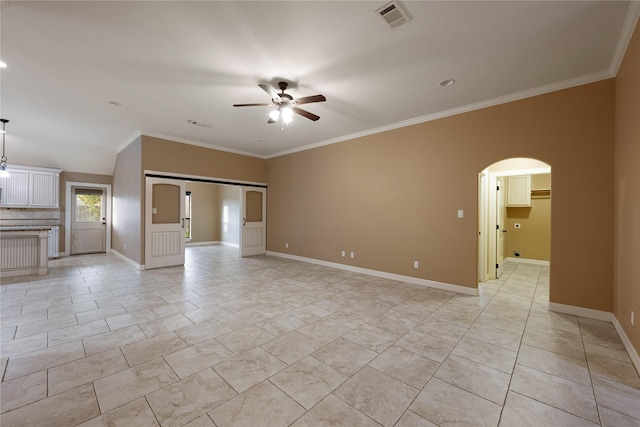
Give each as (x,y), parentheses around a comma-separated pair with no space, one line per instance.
(287,115)
(274,115)
(3,159)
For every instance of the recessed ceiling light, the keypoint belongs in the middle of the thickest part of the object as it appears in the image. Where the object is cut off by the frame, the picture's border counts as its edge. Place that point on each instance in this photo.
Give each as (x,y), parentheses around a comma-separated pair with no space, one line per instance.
(115,103)
(447,82)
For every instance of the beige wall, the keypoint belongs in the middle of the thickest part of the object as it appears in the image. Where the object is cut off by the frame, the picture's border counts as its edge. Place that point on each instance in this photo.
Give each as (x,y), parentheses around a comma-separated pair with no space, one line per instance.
(205,216)
(533,239)
(169,156)
(128,209)
(626,287)
(75,177)
(392,198)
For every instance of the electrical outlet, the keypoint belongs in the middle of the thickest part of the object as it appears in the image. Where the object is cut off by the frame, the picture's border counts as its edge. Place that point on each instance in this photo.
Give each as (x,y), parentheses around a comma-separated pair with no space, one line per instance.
(286,245)
(633,320)
(344,253)
(416,264)
(353,254)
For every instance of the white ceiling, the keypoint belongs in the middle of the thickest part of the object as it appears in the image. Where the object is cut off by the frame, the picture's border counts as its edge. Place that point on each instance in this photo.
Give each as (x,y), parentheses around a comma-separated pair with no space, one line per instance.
(170,62)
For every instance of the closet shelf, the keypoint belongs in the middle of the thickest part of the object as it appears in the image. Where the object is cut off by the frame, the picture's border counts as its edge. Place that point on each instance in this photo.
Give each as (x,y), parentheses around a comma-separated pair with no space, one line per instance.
(542,193)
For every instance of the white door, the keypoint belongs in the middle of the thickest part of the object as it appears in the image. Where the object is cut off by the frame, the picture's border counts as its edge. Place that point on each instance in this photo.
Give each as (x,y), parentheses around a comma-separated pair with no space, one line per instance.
(164,222)
(253,239)
(88,221)
(500,227)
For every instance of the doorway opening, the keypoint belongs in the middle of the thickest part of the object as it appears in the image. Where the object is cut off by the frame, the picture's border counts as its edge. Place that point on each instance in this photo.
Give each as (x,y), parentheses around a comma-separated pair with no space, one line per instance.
(514,215)
(215,212)
(87,227)
(228,215)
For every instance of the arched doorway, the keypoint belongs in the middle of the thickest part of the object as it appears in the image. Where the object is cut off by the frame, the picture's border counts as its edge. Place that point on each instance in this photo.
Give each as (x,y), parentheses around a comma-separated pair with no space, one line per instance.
(514,215)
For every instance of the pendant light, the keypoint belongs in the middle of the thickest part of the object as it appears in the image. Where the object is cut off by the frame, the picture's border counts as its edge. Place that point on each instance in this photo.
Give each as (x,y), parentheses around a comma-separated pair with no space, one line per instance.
(3,160)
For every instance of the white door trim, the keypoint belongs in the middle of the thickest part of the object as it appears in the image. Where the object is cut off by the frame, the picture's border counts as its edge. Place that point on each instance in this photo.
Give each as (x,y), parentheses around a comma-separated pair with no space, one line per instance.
(67,215)
(491,221)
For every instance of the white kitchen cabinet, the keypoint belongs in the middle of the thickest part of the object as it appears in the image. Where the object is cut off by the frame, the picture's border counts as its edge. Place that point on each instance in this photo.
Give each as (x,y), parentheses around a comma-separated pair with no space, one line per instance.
(30,187)
(519,191)
(53,242)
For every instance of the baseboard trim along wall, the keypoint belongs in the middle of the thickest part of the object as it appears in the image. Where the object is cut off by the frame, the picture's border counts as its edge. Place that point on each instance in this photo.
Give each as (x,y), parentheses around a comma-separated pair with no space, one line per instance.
(189,244)
(633,354)
(528,261)
(127,260)
(408,279)
(604,316)
(589,313)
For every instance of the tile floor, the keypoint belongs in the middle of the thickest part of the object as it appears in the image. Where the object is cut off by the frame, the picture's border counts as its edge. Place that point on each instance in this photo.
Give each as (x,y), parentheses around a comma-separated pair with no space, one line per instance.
(265,341)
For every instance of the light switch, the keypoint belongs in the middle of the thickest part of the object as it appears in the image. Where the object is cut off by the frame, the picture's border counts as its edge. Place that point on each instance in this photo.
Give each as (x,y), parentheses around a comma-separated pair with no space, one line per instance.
(460,213)
(154,210)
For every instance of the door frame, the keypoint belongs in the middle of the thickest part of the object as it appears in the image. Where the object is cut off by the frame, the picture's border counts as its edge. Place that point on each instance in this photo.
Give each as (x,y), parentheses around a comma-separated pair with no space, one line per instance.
(483,244)
(67,216)
(489,226)
(210,180)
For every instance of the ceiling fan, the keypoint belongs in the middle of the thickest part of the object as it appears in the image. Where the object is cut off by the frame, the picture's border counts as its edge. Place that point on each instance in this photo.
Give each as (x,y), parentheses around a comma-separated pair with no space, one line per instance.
(285,104)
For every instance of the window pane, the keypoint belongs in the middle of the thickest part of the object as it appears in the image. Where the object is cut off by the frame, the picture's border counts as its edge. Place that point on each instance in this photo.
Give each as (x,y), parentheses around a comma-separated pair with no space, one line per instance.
(88,206)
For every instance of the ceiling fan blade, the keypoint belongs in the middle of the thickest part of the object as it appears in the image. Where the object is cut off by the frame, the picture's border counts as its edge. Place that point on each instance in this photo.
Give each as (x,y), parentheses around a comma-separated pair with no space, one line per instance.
(309,99)
(271,91)
(251,105)
(305,113)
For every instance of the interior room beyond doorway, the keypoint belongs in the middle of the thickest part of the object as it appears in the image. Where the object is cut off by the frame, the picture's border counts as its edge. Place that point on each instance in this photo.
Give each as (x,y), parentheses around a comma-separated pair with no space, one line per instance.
(514,215)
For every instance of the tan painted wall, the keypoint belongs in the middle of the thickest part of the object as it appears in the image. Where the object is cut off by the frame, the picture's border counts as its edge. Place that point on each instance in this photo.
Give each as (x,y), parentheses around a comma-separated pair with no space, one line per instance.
(392,197)
(626,287)
(533,239)
(169,156)
(75,177)
(128,210)
(206,214)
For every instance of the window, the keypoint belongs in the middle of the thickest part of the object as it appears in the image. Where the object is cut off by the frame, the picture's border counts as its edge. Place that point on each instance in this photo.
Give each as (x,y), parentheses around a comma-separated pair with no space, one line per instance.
(187,214)
(88,205)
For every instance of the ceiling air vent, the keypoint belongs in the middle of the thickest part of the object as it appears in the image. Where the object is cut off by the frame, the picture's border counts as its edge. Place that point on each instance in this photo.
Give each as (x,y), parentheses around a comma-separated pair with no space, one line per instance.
(394,14)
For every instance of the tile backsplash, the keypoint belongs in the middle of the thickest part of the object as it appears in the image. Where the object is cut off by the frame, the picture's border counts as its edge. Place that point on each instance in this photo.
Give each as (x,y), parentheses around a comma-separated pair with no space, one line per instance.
(29,216)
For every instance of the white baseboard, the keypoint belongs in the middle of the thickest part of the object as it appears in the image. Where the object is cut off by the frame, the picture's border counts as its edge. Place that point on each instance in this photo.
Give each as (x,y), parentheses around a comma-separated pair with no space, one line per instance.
(631,351)
(528,261)
(604,316)
(189,244)
(127,260)
(408,279)
(589,313)
(233,245)
(212,243)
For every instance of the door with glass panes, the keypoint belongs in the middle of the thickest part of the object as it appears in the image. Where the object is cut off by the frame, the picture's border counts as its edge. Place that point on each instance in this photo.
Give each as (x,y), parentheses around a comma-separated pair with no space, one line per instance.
(88,221)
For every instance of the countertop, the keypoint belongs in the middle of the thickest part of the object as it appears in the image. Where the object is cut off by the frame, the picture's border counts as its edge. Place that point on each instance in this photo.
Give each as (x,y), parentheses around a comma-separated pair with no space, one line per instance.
(25,228)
